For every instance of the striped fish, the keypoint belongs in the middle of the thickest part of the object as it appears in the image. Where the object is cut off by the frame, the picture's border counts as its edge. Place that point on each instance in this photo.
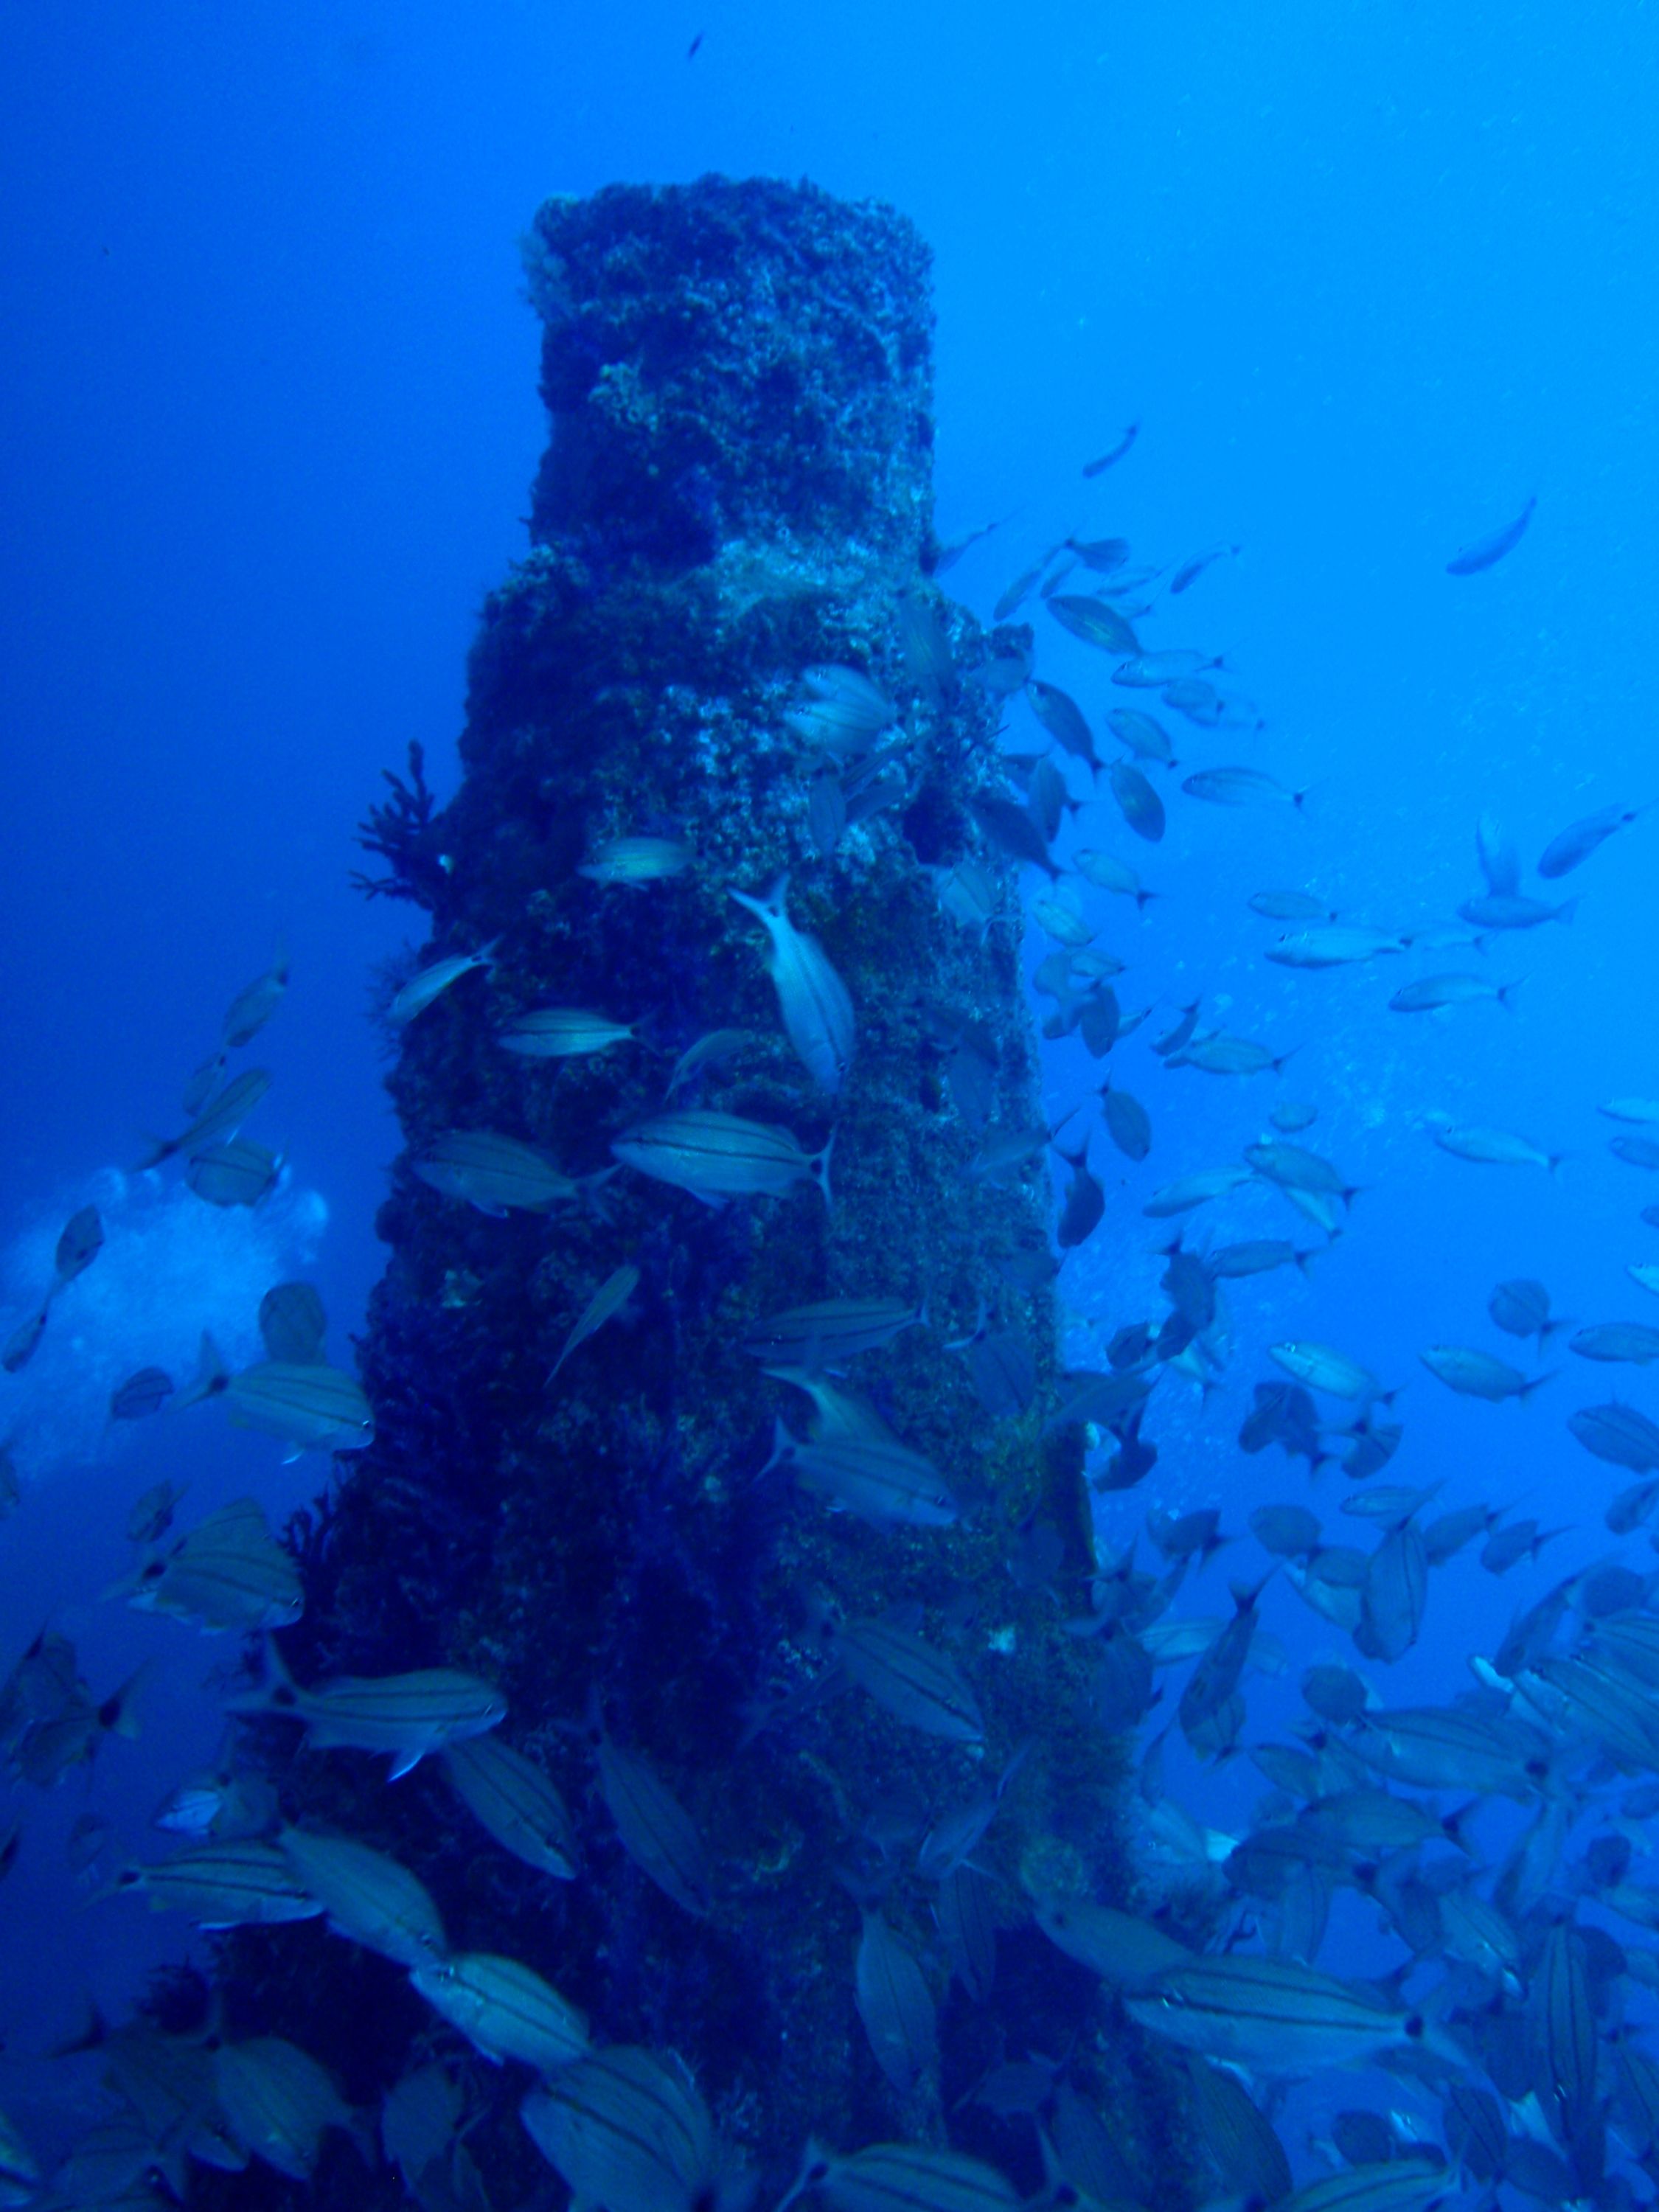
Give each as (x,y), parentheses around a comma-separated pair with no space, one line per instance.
(503,2008)
(511,1797)
(1273,2014)
(1399,2184)
(816,1009)
(626,2132)
(369,1898)
(492,1172)
(421,990)
(716,1156)
(832,1330)
(878,1479)
(635,861)
(895,2004)
(609,1298)
(310,1407)
(220,1118)
(239,1173)
(564,1033)
(292,1324)
(241,1882)
(229,1572)
(277,2101)
(1117,1946)
(656,1831)
(406,1715)
(903,2178)
(908,1679)
(965,1910)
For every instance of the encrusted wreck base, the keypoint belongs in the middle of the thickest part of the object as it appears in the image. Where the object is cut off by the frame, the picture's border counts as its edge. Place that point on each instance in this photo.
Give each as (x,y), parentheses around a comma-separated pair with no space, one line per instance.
(737,488)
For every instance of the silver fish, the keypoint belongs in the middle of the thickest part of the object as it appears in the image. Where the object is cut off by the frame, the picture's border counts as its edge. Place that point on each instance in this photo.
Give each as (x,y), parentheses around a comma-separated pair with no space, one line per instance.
(1189,1191)
(220,1118)
(830,1331)
(503,2008)
(278,2101)
(1617,1341)
(1139,803)
(712,1049)
(816,1008)
(907,1678)
(368,1898)
(236,1882)
(1272,2015)
(716,1156)
(903,2177)
(609,1298)
(228,1573)
(1564,853)
(82,1241)
(492,1172)
(1321,1367)
(1331,945)
(423,989)
(564,1033)
(1618,1434)
(239,1173)
(253,1007)
(1152,671)
(1241,786)
(1431,993)
(143,1392)
(878,1479)
(1475,1374)
(1520,1306)
(407,1715)
(1482,552)
(657,1832)
(1108,873)
(1096,622)
(637,861)
(626,2131)
(895,2004)
(292,1324)
(516,1801)
(310,1407)
(1490,1147)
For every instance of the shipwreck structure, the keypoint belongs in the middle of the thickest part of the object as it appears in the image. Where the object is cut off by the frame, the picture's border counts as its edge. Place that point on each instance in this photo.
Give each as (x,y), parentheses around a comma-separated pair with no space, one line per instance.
(737,491)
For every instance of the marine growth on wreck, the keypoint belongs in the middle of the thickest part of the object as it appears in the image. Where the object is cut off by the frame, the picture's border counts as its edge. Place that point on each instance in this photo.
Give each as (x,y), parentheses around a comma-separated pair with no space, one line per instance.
(714,1370)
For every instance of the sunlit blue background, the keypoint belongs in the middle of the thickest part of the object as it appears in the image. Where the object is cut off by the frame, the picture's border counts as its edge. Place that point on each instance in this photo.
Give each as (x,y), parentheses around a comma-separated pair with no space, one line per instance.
(1368,274)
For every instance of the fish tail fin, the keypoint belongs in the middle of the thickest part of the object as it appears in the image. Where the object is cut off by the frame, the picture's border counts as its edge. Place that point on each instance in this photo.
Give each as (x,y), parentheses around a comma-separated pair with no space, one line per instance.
(1536,1383)
(783,1445)
(158,1149)
(1455,1823)
(818,1166)
(211,1376)
(118,1715)
(278,1691)
(1504,989)
(1554,1159)
(1566,910)
(1304,1260)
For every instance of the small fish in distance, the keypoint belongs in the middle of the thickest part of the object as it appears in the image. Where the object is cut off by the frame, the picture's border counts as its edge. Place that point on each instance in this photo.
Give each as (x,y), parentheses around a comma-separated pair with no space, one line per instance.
(1482,552)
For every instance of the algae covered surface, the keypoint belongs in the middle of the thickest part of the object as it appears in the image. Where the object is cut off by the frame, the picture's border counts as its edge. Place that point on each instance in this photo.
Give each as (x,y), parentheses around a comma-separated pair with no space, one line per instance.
(737,489)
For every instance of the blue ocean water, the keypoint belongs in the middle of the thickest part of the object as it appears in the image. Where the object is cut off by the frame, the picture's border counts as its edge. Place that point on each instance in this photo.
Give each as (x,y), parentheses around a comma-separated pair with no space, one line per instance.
(1367,276)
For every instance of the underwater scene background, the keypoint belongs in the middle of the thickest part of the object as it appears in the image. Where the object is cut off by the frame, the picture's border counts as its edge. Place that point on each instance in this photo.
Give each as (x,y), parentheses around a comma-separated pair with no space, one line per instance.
(560,474)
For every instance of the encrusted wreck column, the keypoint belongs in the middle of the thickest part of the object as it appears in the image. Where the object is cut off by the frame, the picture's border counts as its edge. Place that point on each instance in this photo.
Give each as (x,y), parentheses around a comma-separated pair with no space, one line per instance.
(736,490)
